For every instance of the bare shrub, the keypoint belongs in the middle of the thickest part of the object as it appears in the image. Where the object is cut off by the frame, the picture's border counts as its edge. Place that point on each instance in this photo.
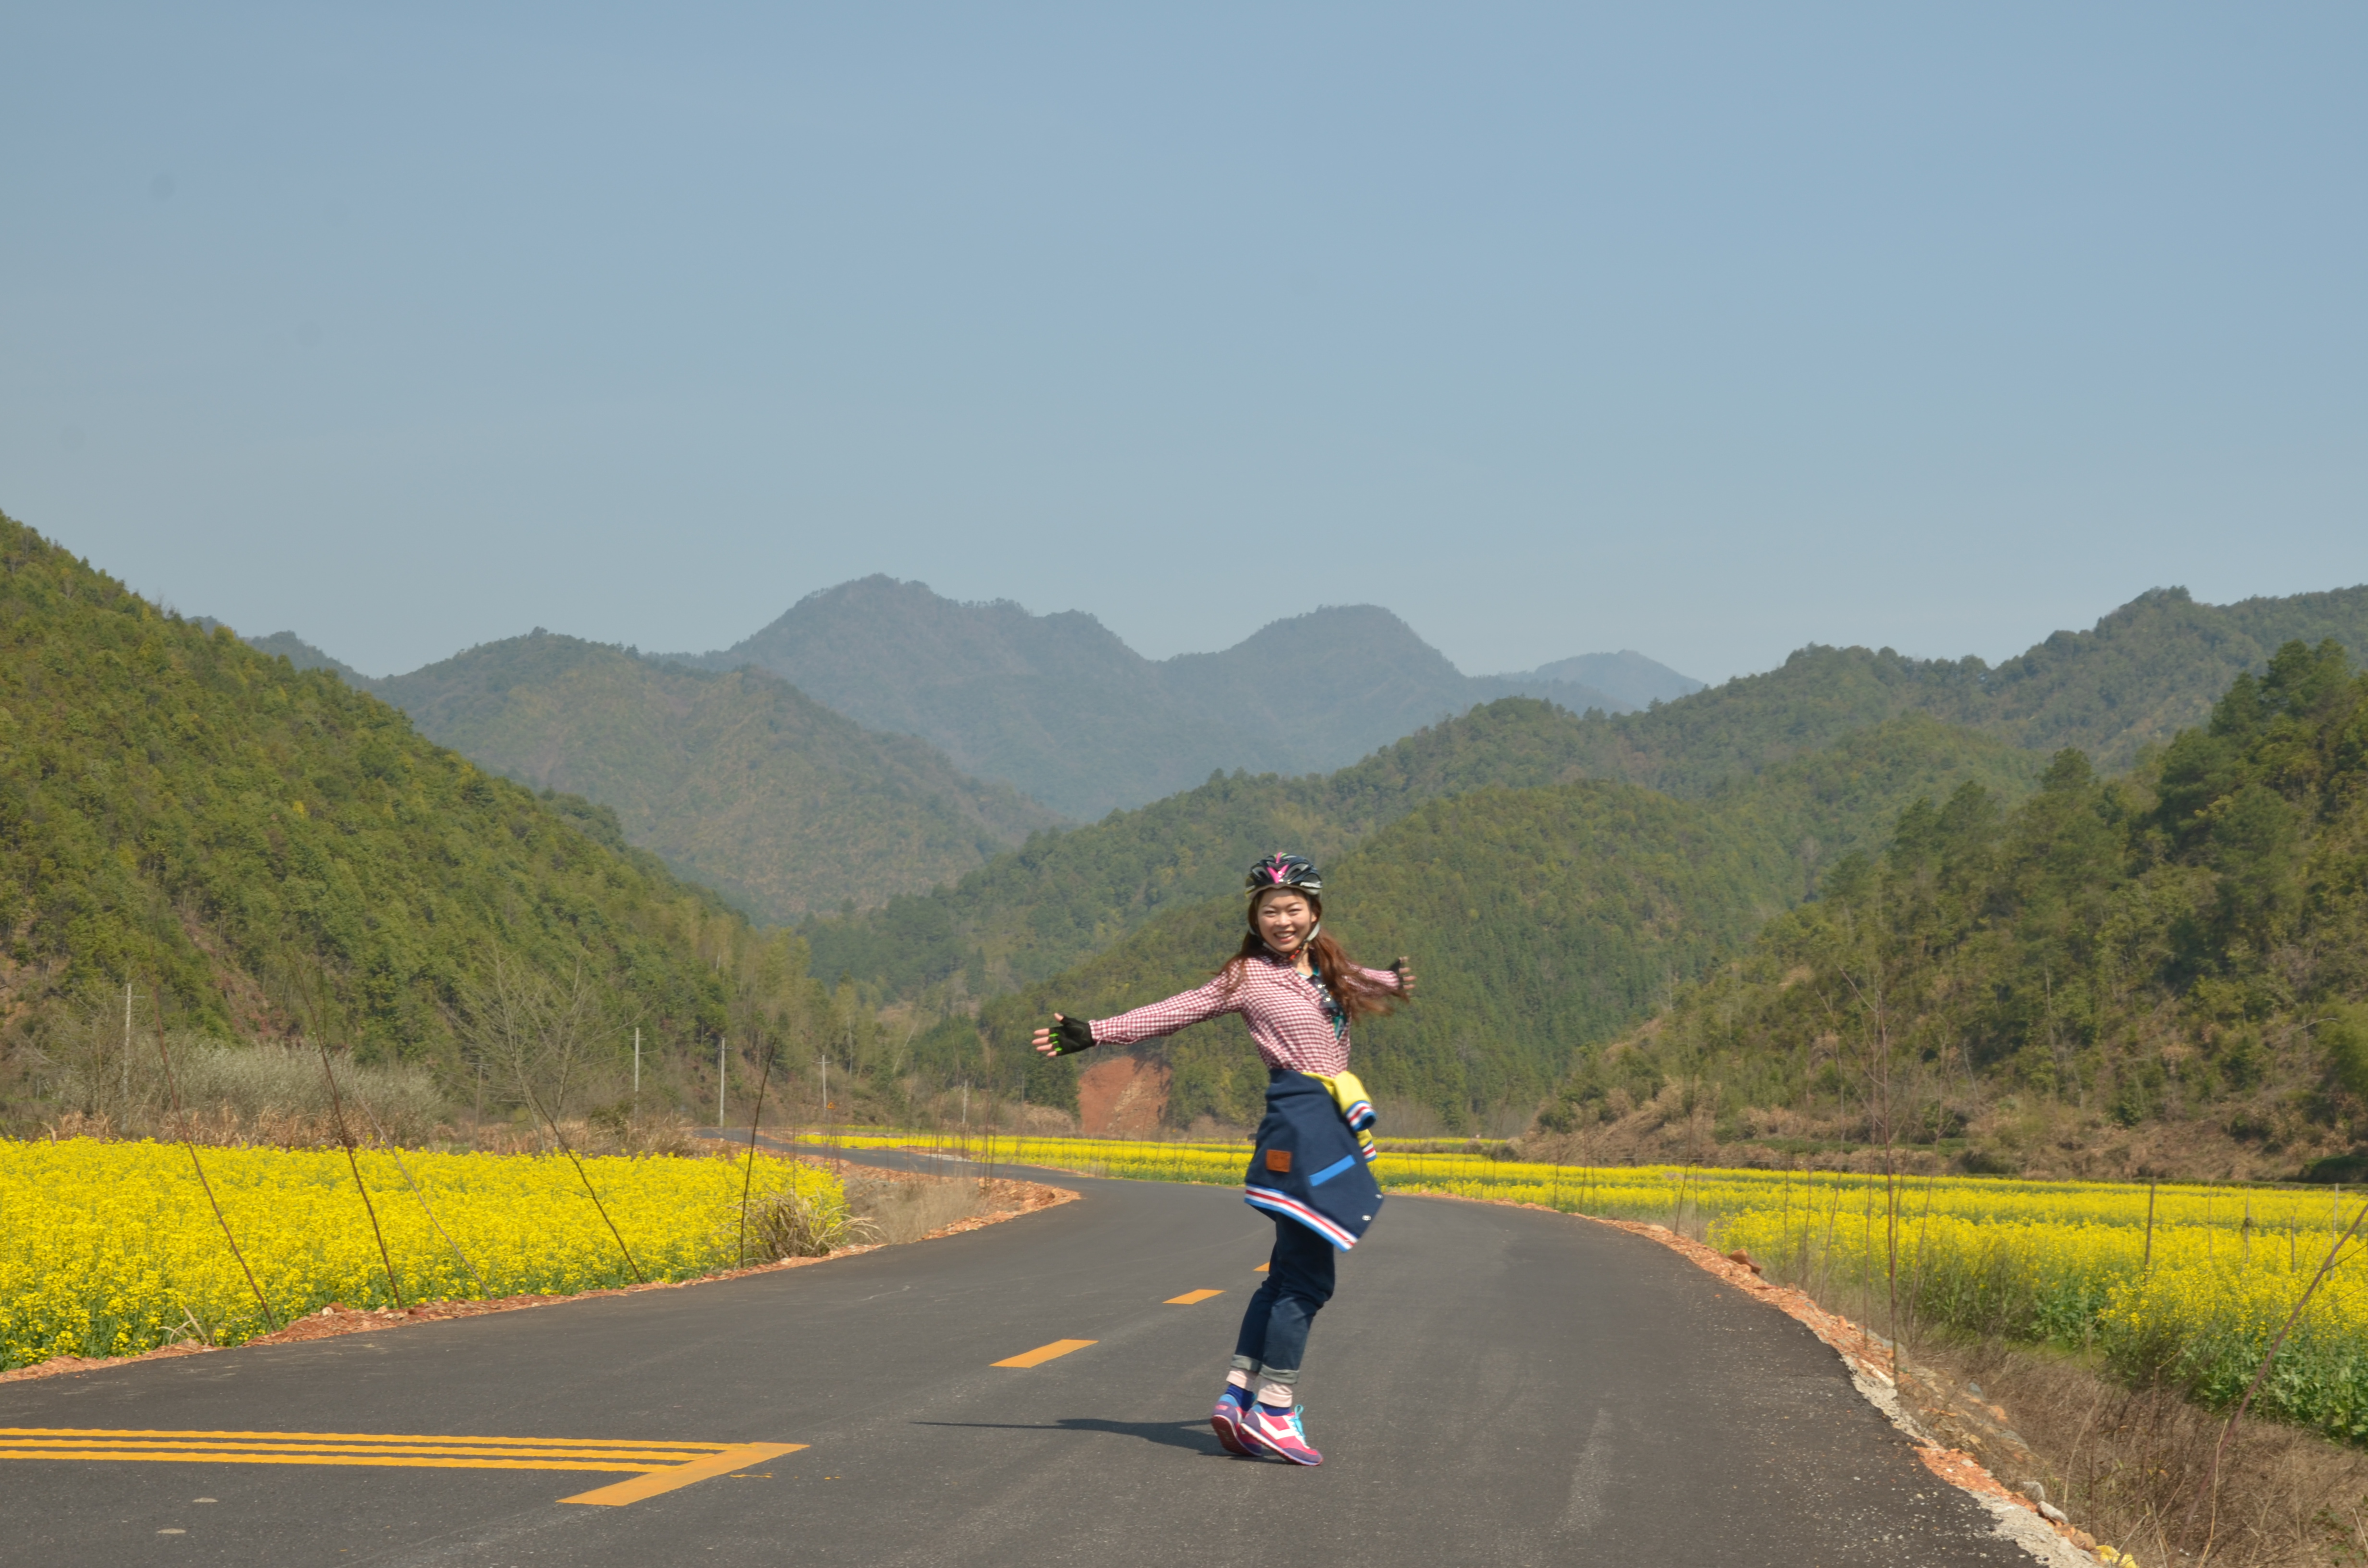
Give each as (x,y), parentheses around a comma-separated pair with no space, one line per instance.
(258,1084)
(97,1062)
(538,1040)
(229,1094)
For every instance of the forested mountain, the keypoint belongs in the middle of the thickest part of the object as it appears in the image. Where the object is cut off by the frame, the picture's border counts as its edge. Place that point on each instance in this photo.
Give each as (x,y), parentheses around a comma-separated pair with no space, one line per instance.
(1063,897)
(272,851)
(2143,672)
(2162,972)
(2147,668)
(1058,707)
(738,781)
(1629,675)
(1541,920)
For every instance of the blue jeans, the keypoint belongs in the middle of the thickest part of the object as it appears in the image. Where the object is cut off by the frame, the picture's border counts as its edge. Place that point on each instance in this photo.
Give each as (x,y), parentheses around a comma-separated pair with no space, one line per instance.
(1298,1282)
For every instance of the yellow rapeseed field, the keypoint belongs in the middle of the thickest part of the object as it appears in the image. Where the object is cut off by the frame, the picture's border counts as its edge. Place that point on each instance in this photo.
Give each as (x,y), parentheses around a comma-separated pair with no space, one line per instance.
(2183,1283)
(109,1249)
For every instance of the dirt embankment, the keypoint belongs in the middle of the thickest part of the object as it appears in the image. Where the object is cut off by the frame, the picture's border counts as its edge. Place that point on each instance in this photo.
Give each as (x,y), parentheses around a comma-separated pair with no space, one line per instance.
(1120,1096)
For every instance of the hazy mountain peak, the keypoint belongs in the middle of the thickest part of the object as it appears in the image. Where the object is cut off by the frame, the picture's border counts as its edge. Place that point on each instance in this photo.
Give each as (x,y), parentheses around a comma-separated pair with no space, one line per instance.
(1626,675)
(305,656)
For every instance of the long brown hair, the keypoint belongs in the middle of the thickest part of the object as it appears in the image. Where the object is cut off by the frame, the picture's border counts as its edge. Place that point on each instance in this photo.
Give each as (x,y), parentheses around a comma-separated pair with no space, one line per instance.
(1358,996)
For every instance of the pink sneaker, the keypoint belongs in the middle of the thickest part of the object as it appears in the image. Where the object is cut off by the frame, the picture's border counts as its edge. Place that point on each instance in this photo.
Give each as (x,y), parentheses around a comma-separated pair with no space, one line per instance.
(1228,1418)
(1279,1432)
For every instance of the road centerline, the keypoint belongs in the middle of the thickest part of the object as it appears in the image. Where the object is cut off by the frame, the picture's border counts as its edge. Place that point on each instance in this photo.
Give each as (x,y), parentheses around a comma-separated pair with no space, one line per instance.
(1044,1353)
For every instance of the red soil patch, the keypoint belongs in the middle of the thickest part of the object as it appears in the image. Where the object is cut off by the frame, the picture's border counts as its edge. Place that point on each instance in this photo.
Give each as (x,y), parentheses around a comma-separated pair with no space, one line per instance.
(1119,1094)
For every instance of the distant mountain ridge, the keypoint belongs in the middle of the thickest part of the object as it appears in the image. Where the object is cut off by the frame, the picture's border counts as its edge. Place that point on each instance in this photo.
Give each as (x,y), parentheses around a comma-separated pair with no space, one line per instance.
(1060,708)
(738,781)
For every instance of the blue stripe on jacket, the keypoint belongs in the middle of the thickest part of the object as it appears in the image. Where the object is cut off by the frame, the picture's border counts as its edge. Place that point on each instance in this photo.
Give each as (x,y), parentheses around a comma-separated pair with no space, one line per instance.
(1306,1166)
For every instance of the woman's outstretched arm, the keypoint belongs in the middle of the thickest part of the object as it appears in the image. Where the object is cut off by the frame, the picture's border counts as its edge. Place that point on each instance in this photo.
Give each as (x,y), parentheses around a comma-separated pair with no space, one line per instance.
(1180,1011)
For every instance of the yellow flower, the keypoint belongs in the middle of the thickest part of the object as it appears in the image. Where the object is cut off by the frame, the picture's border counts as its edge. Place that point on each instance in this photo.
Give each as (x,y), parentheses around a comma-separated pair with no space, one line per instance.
(113,1249)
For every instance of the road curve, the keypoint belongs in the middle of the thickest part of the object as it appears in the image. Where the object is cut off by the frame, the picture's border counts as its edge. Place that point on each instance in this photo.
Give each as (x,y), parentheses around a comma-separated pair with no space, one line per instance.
(1490,1386)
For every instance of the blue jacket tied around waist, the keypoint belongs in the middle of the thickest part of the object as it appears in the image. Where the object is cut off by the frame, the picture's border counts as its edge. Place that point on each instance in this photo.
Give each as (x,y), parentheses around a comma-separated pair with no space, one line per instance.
(1307,1166)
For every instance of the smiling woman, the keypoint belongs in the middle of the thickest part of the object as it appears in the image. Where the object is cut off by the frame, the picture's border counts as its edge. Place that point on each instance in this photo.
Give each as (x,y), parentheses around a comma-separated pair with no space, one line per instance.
(1297,991)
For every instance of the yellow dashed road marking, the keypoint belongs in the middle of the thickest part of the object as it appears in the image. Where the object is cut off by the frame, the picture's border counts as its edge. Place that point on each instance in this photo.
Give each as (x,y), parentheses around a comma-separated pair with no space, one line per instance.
(1043,1353)
(1190,1298)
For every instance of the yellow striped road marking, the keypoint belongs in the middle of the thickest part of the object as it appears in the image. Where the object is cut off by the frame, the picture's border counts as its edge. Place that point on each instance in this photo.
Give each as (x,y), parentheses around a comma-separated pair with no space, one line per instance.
(1259,1269)
(1189,1296)
(1043,1353)
(659,1466)
(737,1457)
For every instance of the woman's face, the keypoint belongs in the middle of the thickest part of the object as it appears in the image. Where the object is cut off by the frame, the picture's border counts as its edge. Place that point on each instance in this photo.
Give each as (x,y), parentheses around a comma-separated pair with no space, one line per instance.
(1284,919)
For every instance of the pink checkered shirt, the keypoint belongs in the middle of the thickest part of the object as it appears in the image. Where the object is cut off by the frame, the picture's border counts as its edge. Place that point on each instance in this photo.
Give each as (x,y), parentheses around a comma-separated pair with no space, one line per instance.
(1282,1007)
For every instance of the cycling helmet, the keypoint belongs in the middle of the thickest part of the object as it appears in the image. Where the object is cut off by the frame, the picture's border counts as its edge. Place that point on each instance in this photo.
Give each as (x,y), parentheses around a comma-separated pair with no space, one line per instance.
(1280,870)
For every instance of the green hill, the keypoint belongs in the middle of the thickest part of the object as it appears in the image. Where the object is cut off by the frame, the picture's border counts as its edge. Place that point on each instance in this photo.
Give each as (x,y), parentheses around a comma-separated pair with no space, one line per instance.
(2142,671)
(2141,674)
(1064,896)
(277,852)
(1058,707)
(1543,920)
(735,780)
(2163,973)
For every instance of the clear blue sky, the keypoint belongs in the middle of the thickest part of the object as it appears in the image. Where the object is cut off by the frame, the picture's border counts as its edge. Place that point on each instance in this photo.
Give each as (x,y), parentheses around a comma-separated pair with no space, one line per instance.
(1705,331)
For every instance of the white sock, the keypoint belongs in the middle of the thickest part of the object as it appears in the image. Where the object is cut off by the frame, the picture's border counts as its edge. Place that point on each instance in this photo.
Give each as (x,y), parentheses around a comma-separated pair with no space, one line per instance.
(1237,1379)
(1275,1394)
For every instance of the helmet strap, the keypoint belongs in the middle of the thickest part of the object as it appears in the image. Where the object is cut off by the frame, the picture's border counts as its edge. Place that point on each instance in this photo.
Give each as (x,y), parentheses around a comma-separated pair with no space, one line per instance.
(1304,942)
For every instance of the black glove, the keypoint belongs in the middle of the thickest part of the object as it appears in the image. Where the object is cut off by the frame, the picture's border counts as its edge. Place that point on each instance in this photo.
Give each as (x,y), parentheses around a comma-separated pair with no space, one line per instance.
(1071,1035)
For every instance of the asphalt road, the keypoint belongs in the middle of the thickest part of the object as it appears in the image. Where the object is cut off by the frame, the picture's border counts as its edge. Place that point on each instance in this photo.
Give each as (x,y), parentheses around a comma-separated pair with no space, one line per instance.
(1490,1386)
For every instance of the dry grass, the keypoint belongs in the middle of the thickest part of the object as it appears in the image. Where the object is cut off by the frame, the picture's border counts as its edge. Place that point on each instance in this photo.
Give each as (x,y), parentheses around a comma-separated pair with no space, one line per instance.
(2134,1466)
(228,1126)
(906,1210)
(792,1223)
(2038,1139)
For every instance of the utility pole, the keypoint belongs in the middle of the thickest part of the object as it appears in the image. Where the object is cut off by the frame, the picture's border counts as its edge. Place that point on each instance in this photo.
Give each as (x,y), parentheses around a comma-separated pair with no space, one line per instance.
(127,1048)
(719,1081)
(637,1060)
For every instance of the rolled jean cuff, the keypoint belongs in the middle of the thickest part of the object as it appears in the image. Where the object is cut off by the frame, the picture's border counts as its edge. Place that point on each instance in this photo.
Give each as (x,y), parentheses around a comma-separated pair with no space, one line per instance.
(1246,1364)
(1286,1376)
